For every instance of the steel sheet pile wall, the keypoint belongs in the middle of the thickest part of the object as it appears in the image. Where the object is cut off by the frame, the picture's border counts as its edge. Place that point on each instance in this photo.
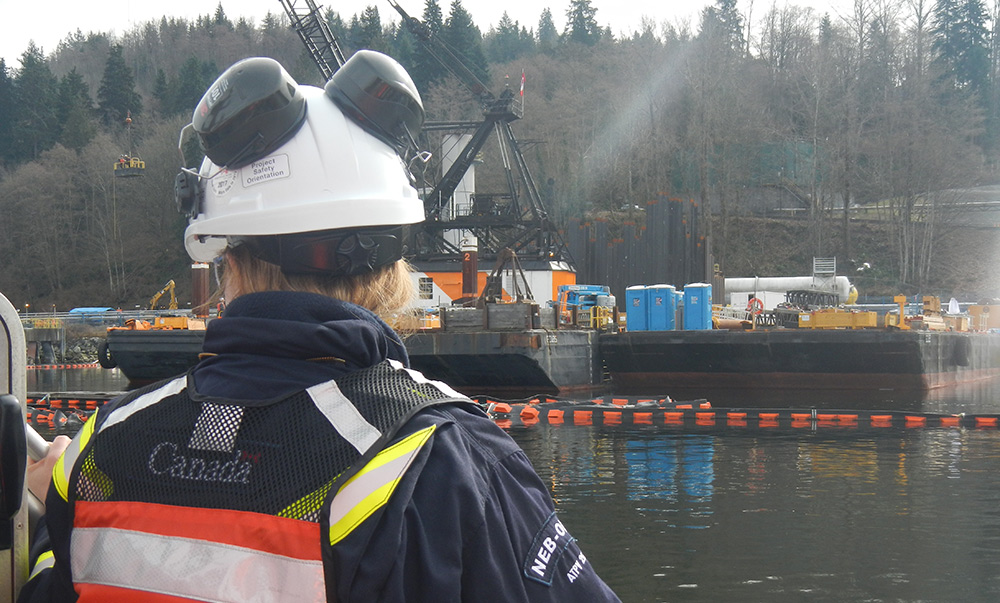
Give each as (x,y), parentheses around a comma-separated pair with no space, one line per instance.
(668,249)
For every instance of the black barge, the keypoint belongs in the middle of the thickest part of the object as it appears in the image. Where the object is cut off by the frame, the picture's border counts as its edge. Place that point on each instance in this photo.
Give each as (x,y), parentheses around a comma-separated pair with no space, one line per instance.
(836,359)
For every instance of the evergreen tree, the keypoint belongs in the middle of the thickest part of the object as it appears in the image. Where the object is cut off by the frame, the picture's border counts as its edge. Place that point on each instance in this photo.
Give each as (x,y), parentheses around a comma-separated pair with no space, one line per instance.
(161,92)
(426,68)
(366,31)
(581,23)
(191,85)
(75,112)
(723,23)
(35,123)
(961,43)
(7,110)
(221,19)
(509,41)
(117,95)
(548,35)
(404,47)
(465,39)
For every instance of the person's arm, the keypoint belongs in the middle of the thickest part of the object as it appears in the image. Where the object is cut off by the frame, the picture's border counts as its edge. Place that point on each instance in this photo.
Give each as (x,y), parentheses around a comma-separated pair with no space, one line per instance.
(39,474)
(47,582)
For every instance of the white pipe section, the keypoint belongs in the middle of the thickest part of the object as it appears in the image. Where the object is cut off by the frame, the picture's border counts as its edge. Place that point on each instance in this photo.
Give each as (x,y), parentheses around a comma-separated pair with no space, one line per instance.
(780,284)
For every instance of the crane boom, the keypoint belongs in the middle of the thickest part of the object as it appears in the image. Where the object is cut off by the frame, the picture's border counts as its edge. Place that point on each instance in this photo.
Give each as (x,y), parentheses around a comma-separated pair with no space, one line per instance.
(444,55)
(522,225)
(316,35)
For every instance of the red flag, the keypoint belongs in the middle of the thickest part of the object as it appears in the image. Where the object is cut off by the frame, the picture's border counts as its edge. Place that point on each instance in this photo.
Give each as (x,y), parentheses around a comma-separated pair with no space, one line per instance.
(522,82)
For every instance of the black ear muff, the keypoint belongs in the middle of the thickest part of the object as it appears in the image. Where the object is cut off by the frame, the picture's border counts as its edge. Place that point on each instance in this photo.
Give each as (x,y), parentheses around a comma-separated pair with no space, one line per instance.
(187,194)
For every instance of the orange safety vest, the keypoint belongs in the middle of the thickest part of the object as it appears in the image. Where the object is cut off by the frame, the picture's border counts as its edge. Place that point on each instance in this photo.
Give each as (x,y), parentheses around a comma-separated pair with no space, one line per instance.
(132,551)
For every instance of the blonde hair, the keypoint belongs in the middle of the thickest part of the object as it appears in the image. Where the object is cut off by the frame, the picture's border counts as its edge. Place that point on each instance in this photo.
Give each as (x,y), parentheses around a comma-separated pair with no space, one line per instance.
(387,291)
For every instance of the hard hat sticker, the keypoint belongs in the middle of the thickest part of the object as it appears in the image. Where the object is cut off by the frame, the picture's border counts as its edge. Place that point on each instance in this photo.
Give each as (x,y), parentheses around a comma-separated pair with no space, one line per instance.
(223,183)
(265,170)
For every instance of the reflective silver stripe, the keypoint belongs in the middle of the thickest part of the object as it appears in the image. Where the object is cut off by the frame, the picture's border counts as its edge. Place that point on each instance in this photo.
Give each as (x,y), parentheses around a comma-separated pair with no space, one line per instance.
(145,401)
(196,569)
(344,417)
(45,561)
(419,377)
(372,487)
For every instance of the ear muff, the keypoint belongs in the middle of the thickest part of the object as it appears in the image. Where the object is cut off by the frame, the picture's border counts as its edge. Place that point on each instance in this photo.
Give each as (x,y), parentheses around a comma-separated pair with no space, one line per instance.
(187,194)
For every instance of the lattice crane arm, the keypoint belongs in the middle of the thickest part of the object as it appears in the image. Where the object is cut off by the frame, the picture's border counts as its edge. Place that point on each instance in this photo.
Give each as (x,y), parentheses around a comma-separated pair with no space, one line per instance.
(315,33)
(445,55)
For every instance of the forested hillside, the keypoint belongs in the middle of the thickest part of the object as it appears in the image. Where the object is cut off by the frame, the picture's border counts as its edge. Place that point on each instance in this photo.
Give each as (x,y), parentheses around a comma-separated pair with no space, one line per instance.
(880,111)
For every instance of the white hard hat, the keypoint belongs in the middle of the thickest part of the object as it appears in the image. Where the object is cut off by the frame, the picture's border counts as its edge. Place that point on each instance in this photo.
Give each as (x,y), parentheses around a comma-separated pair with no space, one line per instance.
(269,172)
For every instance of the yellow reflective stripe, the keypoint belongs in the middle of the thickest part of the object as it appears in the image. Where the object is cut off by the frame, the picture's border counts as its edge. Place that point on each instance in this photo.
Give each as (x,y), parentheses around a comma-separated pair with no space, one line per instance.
(372,487)
(45,561)
(64,466)
(309,506)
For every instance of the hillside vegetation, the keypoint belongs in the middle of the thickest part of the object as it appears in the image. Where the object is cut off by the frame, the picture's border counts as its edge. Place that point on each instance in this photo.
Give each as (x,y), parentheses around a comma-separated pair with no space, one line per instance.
(885,106)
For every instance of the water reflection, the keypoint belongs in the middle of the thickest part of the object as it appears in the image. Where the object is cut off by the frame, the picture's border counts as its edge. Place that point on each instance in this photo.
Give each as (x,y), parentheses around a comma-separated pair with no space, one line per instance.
(975,397)
(780,515)
(95,379)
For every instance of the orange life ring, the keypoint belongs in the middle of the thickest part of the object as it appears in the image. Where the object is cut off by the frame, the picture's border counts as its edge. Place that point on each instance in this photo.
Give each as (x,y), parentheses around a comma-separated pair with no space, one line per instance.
(755,305)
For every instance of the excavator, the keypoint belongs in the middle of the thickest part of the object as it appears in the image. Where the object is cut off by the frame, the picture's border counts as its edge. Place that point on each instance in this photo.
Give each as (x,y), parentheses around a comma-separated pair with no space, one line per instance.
(169,287)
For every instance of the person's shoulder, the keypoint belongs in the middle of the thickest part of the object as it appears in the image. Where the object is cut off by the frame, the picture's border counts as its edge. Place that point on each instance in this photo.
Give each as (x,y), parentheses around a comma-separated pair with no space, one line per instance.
(466,427)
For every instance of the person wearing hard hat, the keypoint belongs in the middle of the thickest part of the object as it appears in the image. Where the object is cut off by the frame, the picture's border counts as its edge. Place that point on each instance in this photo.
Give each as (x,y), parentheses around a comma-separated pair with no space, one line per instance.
(301,459)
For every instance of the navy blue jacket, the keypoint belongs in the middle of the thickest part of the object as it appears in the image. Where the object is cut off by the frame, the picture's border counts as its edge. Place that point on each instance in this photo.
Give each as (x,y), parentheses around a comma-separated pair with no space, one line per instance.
(470,520)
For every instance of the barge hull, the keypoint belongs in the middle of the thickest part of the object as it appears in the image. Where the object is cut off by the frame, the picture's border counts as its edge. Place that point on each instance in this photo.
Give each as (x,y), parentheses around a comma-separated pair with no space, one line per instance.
(540,360)
(148,356)
(785,359)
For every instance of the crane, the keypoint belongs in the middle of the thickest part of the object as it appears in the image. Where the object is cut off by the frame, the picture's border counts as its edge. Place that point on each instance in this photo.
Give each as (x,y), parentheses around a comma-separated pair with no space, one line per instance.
(521,224)
(315,33)
(524,227)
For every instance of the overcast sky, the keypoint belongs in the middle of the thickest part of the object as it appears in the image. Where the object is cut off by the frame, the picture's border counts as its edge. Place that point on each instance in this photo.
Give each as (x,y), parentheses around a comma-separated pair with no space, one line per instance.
(49,22)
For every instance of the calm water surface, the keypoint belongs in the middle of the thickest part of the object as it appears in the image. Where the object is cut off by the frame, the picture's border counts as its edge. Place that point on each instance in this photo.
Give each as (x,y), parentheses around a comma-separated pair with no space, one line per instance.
(770,515)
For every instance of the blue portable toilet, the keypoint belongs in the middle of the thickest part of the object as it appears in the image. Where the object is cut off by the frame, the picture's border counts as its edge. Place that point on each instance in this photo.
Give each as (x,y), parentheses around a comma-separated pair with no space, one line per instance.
(662,307)
(697,306)
(636,312)
(675,302)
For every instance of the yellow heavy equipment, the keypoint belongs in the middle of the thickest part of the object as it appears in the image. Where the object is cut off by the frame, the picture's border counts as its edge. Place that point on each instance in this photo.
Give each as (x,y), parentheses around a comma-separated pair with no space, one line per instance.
(172,305)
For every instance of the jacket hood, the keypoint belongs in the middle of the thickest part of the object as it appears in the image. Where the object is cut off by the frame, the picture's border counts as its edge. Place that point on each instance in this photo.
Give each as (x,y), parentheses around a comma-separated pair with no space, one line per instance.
(273,343)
